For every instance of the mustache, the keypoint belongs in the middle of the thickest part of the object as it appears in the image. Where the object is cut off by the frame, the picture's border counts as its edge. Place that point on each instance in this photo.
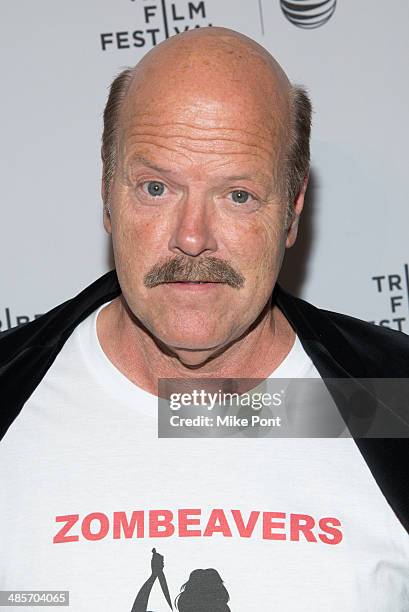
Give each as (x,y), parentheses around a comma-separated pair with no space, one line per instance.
(182,268)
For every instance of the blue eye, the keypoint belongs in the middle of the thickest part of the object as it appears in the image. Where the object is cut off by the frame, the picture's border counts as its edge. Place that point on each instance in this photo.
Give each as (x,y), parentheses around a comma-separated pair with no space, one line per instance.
(155,188)
(239,196)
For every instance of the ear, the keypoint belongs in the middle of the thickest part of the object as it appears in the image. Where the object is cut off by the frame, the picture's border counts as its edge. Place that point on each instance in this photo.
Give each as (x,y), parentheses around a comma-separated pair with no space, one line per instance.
(297,209)
(107,216)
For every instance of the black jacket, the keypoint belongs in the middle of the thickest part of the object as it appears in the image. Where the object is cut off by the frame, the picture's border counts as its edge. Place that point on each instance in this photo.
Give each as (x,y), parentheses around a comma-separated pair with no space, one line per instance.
(339,346)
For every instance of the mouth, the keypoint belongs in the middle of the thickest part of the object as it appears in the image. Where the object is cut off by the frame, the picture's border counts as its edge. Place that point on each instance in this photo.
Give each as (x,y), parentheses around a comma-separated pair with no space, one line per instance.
(193,282)
(192,285)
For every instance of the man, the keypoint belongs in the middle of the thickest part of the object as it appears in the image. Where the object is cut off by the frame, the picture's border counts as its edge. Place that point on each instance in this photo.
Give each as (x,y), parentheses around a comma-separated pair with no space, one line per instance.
(206,153)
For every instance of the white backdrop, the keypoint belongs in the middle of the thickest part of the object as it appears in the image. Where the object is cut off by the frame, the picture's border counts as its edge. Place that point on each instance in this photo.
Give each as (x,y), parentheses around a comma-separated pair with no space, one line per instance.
(57,63)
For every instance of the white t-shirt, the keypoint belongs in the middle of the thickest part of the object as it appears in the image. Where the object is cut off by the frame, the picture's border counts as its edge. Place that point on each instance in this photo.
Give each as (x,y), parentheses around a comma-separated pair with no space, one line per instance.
(88,490)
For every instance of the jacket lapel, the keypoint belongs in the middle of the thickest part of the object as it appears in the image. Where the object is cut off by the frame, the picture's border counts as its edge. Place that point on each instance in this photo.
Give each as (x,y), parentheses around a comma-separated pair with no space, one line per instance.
(334,357)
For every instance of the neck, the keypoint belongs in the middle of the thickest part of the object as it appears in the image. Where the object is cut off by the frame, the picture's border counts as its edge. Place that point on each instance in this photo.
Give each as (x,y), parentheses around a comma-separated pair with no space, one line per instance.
(143,359)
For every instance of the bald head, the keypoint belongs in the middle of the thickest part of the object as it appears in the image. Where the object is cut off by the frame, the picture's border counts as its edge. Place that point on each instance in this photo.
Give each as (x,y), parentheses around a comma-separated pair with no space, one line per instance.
(211,78)
(205,45)
(212,63)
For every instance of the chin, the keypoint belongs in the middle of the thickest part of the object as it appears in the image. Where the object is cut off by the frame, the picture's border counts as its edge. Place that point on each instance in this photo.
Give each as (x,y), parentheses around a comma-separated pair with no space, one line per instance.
(189,332)
(193,357)
(189,341)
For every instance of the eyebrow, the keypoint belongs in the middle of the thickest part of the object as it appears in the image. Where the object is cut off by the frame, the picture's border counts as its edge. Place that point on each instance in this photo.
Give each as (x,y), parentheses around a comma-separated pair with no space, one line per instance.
(140,159)
(239,177)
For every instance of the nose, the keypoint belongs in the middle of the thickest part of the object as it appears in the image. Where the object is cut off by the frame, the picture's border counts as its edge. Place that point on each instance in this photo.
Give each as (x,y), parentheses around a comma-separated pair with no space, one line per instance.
(193,230)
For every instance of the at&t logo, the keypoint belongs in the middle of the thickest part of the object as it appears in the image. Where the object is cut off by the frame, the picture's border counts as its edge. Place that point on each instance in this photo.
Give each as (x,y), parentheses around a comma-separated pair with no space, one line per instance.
(308,14)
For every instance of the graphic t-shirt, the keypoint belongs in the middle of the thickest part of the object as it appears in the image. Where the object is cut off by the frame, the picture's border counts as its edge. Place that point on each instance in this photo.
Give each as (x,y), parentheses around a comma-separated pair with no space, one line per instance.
(90,496)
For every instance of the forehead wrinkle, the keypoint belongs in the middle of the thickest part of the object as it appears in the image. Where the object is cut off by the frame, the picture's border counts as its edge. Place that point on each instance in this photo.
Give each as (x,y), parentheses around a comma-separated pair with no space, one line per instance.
(182,110)
(186,142)
(184,125)
(221,156)
(255,123)
(250,149)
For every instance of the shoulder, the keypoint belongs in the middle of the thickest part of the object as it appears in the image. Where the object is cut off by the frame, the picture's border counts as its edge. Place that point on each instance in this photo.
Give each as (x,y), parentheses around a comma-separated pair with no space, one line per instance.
(51,330)
(385,350)
(363,349)
(373,335)
(19,339)
(27,352)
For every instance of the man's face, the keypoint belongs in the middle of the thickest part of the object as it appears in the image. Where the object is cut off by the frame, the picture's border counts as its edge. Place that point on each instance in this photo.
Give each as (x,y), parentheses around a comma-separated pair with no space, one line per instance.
(198,181)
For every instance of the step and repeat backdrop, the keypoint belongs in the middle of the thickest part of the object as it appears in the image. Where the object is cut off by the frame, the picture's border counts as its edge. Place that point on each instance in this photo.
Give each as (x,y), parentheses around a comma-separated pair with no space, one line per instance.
(58,60)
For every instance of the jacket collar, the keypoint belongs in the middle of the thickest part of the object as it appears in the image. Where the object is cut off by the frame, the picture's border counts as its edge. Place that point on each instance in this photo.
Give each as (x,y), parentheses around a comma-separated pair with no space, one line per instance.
(330,352)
